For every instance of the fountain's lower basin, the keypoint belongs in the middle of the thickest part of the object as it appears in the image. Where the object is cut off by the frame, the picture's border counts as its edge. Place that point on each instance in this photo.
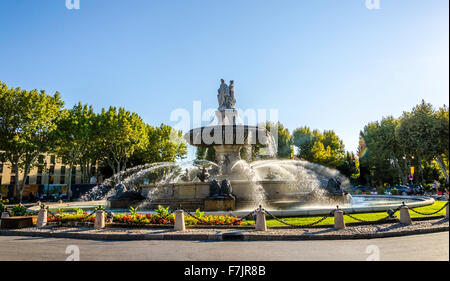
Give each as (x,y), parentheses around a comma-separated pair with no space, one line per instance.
(195,195)
(360,204)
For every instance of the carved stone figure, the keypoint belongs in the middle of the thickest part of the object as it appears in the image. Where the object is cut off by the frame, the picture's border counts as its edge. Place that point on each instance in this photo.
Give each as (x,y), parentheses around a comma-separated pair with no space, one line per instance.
(214,189)
(222,93)
(334,187)
(225,188)
(225,95)
(203,175)
(231,96)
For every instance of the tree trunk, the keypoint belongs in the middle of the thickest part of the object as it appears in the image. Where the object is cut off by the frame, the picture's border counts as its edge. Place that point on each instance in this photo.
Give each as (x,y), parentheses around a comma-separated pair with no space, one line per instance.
(441,163)
(69,184)
(17,184)
(421,171)
(22,185)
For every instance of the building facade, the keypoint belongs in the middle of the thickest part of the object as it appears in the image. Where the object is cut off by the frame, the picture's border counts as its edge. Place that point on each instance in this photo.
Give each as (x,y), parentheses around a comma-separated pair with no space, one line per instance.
(50,171)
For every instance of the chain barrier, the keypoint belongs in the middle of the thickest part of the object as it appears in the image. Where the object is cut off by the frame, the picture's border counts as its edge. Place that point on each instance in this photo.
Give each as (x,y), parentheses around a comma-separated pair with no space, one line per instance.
(208,223)
(297,226)
(195,217)
(251,214)
(430,214)
(379,220)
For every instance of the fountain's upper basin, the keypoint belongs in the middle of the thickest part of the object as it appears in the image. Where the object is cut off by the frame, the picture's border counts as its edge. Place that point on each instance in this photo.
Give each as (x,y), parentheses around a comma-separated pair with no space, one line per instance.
(228,135)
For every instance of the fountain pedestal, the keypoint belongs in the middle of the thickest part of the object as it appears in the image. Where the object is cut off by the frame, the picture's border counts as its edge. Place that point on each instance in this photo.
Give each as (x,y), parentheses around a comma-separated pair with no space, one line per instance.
(220,204)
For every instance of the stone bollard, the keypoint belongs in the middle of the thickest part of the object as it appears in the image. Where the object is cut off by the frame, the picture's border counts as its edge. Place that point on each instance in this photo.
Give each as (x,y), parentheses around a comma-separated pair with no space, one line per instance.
(179,221)
(42,218)
(339,222)
(99,219)
(260,221)
(405,218)
(5,215)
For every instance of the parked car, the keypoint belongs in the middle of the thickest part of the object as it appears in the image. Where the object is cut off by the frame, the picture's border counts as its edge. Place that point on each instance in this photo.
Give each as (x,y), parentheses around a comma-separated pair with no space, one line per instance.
(363,188)
(417,189)
(402,190)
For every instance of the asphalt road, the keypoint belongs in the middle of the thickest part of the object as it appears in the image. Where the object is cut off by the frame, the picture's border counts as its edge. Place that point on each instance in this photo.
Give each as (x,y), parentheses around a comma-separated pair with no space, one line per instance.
(419,247)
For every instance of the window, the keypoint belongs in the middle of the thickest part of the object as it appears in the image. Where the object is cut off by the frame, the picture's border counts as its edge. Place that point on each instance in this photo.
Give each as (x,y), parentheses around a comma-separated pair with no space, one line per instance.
(74,170)
(39,180)
(51,170)
(73,180)
(41,159)
(51,179)
(1,168)
(27,181)
(63,170)
(53,159)
(62,179)
(40,170)
(13,180)
(0,180)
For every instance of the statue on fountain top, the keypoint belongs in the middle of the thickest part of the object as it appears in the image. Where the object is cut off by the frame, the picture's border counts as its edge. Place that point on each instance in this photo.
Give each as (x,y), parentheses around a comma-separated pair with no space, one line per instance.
(226,96)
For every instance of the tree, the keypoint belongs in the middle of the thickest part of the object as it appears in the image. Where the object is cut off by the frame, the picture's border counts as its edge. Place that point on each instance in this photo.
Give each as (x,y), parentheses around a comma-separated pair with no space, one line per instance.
(424,132)
(323,148)
(164,144)
(384,155)
(304,139)
(350,167)
(442,147)
(75,136)
(27,121)
(121,133)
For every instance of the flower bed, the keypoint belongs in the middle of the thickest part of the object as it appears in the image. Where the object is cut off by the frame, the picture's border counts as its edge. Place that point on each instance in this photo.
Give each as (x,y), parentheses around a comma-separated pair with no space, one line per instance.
(145,219)
(162,218)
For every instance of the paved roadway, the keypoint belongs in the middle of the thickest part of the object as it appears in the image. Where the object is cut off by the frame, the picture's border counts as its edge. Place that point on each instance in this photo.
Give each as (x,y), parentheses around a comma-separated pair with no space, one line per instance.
(419,247)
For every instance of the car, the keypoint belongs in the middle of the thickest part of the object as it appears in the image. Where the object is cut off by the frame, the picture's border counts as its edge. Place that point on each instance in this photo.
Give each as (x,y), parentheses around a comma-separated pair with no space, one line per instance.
(417,189)
(362,188)
(402,189)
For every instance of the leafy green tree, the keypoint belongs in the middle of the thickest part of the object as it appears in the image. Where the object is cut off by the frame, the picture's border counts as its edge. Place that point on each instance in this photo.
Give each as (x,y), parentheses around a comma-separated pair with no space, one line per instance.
(27,121)
(384,155)
(323,148)
(442,147)
(121,133)
(75,136)
(164,144)
(350,167)
(424,132)
(304,139)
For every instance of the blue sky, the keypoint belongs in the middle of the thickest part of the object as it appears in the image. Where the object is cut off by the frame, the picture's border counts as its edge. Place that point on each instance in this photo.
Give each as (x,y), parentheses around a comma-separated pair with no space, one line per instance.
(326,64)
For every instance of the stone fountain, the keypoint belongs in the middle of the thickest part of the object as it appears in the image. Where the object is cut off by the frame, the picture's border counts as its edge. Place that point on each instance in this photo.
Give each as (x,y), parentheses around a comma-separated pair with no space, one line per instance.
(233,183)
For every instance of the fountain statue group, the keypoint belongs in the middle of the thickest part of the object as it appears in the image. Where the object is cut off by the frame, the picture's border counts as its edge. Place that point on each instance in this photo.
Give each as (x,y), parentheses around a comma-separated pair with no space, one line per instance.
(226,96)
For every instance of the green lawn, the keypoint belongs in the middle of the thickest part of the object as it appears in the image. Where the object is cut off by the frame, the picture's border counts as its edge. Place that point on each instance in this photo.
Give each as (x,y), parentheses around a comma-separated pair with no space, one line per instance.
(365,216)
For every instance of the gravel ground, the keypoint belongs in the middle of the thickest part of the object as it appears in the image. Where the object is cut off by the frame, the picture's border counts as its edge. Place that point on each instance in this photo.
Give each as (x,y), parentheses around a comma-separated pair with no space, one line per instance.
(366,231)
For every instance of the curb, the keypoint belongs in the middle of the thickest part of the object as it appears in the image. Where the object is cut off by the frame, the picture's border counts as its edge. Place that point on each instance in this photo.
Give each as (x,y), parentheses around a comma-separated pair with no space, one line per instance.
(234,236)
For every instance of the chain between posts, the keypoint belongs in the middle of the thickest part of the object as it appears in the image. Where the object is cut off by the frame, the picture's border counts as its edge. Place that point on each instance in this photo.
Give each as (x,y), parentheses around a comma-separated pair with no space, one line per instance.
(382,219)
(430,214)
(208,223)
(293,225)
